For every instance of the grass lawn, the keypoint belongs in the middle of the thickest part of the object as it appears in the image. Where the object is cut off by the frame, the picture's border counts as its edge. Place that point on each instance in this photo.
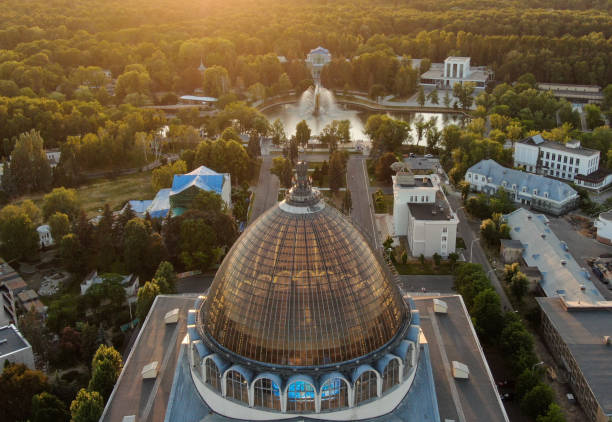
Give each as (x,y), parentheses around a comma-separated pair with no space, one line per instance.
(116,192)
(416,268)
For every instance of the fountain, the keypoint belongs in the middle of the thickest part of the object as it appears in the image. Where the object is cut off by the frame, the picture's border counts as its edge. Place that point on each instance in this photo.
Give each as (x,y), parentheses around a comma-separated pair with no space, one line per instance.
(317,101)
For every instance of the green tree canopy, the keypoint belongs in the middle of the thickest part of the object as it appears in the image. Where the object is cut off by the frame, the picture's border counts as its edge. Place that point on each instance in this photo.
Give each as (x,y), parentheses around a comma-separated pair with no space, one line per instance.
(87,406)
(48,408)
(18,385)
(61,200)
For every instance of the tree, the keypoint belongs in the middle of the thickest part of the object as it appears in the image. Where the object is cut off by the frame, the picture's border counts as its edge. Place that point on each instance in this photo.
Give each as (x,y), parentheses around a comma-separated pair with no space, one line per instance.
(254,148)
(60,226)
(48,408)
(464,187)
(537,401)
(135,246)
(302,133)
(277,133)
(216,81)
(198,244)
(106,366)
(519,286)
(146,296)
(447,99)
(165,277)
(60,200)
(208,201)
(526,382)
(383,167)
(486,312)
(18,385)
(433,97)
(463,93)
(421,96)
(554,414)
(386,133)
(28,169)
(593,116)
(337,170)
(282,168)
(18,234)
(163,176)
(87,406)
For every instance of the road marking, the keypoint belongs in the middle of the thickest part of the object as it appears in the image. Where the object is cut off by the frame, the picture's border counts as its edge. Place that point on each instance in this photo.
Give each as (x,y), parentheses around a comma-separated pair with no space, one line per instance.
(447,367)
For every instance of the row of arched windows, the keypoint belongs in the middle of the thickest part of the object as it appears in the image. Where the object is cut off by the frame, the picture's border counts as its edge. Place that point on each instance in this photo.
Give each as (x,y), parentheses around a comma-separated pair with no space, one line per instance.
(301,396)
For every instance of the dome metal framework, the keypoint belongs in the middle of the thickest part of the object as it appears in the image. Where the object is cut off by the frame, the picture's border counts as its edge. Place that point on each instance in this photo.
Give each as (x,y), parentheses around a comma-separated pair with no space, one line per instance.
(303,316)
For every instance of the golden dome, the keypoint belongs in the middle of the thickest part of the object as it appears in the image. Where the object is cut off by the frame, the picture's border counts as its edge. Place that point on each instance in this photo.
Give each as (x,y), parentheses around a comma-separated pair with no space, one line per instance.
(302,287)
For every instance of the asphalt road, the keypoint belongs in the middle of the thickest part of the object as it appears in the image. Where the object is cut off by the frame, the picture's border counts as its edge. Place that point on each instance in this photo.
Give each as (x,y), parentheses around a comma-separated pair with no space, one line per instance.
(266,193)
(358,184)
(473,247)
(196,284)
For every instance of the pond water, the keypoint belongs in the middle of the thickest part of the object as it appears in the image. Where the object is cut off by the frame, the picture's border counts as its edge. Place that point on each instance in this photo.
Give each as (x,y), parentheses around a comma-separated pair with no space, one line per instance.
(329,110)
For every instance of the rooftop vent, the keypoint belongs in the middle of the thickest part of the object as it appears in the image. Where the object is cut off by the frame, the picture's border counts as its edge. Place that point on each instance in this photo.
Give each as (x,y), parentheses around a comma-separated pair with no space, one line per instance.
(529,217)
(440,307)
(460,370)
(607,340)
(150,371)
(563,262)
(3,340)
(172,316)
(543,236)
(582,287)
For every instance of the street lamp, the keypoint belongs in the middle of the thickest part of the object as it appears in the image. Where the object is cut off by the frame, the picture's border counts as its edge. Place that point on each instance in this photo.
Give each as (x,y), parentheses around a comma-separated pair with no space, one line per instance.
(536,364)
(472,247)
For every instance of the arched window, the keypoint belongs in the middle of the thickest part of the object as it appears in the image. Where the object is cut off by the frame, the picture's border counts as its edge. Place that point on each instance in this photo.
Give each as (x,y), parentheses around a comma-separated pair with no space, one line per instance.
(213,376)
(390,375)
(365,387)
(267,394)
(300,397)
(236,387)
(334,394)
(408,360)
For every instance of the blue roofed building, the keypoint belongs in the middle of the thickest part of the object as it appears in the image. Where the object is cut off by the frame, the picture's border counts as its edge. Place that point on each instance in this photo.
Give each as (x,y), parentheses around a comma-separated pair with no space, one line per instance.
(539,192)
(184,189)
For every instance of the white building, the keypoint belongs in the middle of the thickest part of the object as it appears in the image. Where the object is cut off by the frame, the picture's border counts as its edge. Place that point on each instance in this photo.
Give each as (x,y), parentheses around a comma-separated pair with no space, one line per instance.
(456,70)
(129,283)
(539,192)
(604,228)
(564,161)
(422,213)
(316,61)
(44,235)
(14,348)
(53,156)
(581,94)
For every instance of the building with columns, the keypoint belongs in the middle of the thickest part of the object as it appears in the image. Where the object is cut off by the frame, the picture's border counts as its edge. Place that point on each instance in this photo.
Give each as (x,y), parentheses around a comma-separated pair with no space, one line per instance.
(304,319)
(456,70)
(316,60)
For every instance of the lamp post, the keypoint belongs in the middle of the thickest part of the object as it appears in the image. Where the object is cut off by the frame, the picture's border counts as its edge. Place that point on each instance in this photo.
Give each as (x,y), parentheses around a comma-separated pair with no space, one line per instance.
(536,364)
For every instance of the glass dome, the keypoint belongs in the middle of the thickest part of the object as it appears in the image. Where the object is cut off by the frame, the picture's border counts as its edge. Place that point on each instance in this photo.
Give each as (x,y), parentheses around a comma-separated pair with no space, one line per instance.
(302,287)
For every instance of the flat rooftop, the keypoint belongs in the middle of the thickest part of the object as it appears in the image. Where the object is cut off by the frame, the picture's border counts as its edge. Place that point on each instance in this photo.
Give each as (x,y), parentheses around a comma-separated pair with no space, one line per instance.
(434,396)
(438,211)
(14,340)
(147,399)
(561,274)
(541,142)
(583,333)
(422,163)
(451,337)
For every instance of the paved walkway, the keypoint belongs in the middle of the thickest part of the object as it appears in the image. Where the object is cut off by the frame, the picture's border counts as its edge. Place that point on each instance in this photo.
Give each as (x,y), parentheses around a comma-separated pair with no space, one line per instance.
(358,184)
(266,192)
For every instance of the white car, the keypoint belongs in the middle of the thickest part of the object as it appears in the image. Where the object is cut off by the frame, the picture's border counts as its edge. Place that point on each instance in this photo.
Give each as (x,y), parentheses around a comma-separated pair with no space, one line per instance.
(428,156)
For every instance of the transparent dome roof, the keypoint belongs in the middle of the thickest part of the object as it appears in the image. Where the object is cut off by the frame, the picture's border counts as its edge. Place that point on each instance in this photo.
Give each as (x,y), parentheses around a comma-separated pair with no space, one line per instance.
(302,287)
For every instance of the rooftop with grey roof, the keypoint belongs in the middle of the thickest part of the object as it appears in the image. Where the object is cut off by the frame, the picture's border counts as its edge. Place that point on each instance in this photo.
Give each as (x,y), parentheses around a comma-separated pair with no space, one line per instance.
(556,190)
(561,274)
(542,142)
(583,333)
(434,396)
(14,340)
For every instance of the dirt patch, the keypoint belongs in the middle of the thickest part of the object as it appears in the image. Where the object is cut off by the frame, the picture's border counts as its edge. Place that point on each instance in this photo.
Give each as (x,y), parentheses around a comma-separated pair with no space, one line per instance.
(583,225)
